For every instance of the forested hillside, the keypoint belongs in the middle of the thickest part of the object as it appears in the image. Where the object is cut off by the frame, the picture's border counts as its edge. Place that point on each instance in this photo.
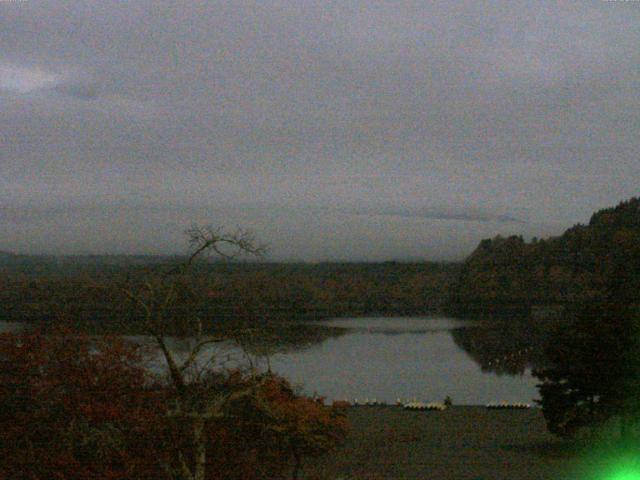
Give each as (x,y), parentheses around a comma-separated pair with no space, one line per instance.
(43,291)
(588,263)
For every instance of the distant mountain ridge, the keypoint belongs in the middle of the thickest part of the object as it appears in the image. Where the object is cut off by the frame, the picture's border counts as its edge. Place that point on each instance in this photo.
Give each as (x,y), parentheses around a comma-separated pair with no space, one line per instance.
(10,258)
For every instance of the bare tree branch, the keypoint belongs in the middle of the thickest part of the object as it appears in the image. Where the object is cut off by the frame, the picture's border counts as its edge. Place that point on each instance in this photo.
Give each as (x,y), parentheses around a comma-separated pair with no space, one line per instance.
(156,297)
(206,239)
(195,351)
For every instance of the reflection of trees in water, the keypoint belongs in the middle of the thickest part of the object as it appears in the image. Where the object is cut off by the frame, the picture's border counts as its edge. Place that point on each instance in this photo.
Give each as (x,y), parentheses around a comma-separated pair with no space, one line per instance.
(285,338)
(265,338)
(271,339)
(240,348)
(504,347)
(392,332)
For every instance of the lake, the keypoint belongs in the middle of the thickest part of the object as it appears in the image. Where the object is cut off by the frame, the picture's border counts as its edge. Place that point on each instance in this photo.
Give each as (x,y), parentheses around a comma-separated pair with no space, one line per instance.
(423,358)
(390,358)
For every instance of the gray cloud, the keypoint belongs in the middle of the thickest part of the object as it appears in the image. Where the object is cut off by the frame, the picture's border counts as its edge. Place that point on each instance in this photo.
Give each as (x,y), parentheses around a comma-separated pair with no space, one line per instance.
(82,91)
(441,213)
(456,113)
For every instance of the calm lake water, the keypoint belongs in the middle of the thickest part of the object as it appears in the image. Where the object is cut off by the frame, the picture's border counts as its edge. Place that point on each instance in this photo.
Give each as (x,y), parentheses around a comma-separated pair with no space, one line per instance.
(387,358)
(426,358)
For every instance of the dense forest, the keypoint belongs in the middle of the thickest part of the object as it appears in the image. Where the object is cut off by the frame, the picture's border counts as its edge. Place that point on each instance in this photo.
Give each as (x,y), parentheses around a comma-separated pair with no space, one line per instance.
(567,307)
(47,288)
(583,265)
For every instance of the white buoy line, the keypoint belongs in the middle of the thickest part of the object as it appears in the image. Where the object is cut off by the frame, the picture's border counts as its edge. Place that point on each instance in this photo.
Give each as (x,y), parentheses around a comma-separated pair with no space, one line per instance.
(438,406)
(407,405)
(507,406)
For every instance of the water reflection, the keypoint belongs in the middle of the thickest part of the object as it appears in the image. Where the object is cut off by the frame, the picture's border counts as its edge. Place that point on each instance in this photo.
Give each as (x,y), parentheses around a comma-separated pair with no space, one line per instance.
(509,346)
(387,358)
(395,325)
(422,358)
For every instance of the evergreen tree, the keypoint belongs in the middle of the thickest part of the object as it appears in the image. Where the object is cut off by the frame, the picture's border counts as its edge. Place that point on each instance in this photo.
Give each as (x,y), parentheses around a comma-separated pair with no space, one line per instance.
(590,372)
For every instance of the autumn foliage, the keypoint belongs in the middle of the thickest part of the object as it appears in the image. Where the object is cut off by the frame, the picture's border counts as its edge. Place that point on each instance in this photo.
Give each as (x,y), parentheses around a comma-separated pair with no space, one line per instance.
(76,408)
(267,435)
(70,410)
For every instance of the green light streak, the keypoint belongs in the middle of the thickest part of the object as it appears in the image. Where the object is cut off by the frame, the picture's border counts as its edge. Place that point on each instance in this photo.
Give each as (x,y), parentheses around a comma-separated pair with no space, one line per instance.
(625,474)
(627,469)
(607,462)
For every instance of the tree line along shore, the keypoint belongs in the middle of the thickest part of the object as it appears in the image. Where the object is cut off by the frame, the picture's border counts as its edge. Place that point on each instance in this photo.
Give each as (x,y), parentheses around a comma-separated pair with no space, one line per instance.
(503,275)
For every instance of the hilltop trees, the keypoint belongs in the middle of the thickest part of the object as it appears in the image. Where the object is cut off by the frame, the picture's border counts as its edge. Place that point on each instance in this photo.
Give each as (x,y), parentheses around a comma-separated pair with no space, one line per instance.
(574,268)
(496,274)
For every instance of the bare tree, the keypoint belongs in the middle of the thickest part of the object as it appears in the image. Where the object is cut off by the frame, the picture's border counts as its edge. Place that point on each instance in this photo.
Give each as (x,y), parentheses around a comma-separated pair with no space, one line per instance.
(197,399)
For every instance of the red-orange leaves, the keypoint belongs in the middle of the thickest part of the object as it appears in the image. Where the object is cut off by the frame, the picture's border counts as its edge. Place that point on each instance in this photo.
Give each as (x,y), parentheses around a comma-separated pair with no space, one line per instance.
(72,410)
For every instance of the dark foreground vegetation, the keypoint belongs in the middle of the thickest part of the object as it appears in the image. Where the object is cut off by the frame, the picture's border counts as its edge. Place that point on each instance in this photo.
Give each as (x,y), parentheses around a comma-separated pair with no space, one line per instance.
(72,409)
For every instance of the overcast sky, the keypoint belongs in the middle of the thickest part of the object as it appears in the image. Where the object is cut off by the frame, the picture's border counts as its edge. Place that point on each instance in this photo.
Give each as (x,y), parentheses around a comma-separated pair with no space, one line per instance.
(333,129)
